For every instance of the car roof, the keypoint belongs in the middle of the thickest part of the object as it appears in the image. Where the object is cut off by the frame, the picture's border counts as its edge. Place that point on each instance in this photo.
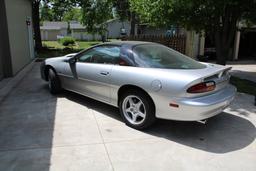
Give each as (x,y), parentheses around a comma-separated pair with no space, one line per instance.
(127,43)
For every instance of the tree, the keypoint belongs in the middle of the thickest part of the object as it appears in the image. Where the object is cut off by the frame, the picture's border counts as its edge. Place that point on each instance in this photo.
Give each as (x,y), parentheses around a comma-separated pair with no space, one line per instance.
(74,14)
(45,12)
(122,9)
(218,18)
(95,13)
(36,24)
(58,7)
(59,10)
(124,12)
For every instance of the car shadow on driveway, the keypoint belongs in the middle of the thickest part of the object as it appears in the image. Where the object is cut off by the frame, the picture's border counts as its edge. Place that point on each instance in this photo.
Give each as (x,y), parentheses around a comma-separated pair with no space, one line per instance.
(222,134)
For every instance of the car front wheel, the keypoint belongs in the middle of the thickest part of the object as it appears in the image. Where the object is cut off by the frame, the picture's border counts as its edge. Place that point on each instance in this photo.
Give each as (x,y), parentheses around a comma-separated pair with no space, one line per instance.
(137,109)
(53,82)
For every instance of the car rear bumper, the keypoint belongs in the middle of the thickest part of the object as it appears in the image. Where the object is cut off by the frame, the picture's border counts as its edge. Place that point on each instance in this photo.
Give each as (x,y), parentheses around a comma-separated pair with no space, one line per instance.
(200,108)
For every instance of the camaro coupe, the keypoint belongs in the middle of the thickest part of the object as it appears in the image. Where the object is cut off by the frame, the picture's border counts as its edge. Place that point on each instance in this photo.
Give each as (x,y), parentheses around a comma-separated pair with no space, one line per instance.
(145,80)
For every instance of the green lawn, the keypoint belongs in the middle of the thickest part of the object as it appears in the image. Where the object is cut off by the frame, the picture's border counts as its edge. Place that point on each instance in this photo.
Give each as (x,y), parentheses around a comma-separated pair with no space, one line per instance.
(85,45)
(79,45)
(52,44)
(54,48)
(243,85)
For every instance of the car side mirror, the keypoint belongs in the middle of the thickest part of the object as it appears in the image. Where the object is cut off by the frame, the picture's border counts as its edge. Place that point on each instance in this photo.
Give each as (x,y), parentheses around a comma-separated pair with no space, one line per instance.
(72,60)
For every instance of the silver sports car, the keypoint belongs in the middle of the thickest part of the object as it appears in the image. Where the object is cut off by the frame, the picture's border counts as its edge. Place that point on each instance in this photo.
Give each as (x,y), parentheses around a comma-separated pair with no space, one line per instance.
(145,80)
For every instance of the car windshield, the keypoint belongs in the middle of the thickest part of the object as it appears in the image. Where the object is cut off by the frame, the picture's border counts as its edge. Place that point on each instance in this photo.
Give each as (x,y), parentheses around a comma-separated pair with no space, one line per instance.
(158,56)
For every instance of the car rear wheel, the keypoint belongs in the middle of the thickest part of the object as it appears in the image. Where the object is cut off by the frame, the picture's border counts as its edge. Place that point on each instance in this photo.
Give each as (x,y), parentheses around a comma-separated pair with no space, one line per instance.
(137,109)
(53,82)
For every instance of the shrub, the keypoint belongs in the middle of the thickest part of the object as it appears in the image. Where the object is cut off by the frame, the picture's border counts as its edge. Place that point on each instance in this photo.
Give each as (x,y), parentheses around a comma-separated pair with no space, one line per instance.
(67,41)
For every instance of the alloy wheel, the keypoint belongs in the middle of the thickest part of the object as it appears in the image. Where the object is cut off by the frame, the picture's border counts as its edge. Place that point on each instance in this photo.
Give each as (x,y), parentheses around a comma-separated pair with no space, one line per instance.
(134,109)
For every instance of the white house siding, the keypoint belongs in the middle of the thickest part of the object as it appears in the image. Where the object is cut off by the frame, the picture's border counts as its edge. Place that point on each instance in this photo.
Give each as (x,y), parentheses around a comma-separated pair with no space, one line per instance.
(63,32)
(82,35)
(44,35)
(60,24)
(50,35)
(192,44)
(78,34)
(90,37)
(114,28)
(50,30)
(21,45)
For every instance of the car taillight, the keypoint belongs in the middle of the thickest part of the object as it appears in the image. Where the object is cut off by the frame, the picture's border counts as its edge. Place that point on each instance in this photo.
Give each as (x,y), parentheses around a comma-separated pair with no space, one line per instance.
(202,87)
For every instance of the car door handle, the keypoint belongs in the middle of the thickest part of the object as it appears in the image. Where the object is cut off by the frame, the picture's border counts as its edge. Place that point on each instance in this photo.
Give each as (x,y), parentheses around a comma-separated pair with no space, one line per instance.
(104,72)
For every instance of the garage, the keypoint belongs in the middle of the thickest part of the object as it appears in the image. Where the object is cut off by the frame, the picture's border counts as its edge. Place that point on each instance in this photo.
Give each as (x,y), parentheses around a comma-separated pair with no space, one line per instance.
(16,43)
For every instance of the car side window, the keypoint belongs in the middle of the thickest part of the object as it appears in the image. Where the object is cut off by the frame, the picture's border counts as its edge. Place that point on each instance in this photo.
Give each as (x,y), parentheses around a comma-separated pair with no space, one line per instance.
(102,55)
(86,57)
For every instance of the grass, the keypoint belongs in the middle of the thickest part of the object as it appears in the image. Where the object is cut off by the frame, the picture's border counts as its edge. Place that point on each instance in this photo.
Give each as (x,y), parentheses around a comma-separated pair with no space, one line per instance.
(243,85)
(80,45)
(85,45)
(52,44)
(54,48)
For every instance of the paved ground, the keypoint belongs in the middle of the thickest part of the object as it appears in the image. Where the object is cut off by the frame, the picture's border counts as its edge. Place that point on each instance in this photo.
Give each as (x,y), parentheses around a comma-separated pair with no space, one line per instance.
(39,131)
(244,69)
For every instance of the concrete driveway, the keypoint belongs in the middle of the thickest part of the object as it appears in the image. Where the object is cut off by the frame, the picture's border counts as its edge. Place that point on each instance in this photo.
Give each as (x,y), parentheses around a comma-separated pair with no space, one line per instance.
(243,69)
(39,131)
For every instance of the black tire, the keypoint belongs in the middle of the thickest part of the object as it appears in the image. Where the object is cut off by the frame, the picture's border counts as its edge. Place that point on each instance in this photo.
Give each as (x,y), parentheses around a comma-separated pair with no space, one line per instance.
(148,105)
(54,82)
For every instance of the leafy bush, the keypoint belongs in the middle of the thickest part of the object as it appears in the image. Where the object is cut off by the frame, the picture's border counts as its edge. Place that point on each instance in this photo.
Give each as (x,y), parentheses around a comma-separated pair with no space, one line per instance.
(67,41)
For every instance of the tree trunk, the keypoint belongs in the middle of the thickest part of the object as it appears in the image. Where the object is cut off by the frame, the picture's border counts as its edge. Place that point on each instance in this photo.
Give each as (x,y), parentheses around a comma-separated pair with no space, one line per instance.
(224,38)
(223,43)
(132,32)
(36,25)
(103,38)
(220,49)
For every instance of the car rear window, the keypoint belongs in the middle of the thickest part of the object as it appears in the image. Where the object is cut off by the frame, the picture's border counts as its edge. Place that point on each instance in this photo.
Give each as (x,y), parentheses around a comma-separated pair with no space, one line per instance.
(159,56)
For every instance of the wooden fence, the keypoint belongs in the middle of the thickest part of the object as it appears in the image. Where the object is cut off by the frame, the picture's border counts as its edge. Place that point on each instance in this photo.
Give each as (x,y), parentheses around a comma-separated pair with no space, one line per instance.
(175,42)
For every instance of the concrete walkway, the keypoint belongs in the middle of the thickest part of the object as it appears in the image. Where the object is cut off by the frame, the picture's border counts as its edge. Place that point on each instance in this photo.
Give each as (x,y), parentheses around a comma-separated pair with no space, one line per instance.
(42,132)
(244,69)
